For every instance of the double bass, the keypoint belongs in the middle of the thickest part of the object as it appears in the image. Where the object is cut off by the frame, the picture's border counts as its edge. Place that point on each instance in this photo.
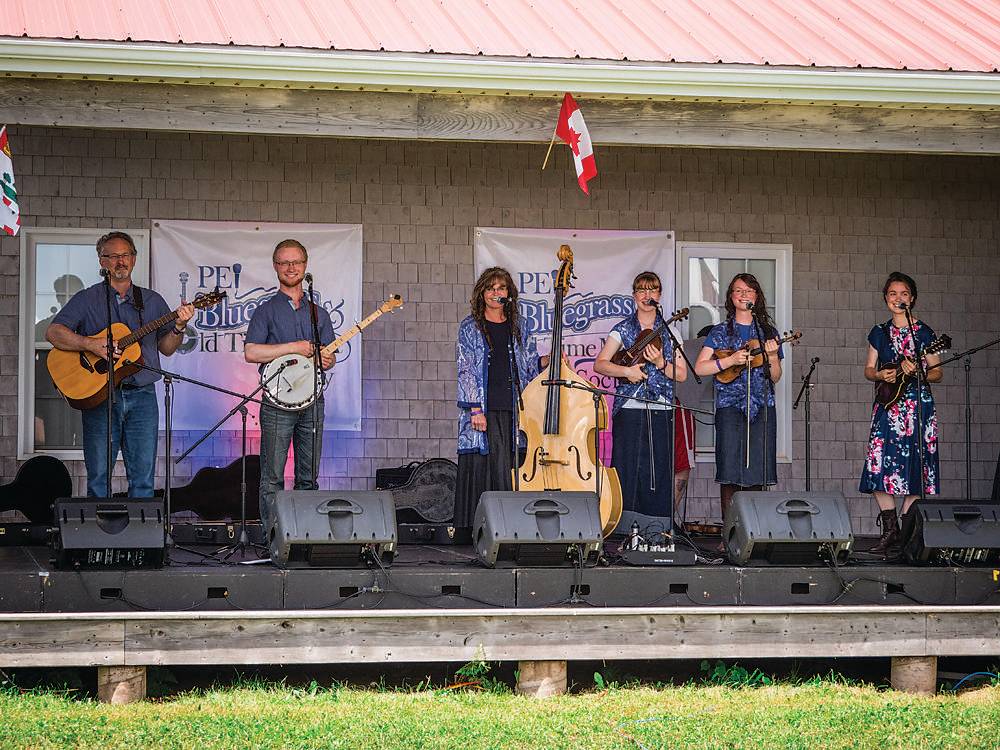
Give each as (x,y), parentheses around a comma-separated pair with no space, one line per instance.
(562,428)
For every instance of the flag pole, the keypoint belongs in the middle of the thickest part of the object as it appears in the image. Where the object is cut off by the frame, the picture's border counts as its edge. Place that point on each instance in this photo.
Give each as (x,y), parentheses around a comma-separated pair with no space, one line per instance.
(551,142)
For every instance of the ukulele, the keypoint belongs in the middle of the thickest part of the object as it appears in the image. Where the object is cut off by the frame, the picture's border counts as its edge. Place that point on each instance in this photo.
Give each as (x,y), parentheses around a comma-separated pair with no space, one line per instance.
(82,377)
(634,355)
(730,374)
(889,393)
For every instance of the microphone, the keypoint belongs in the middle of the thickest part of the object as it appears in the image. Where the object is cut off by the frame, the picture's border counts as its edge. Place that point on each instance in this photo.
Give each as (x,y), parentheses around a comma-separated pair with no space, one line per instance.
(749,305)
(309,278)
(104,273)
(555,382)
(502,300)
(902,306)
(814,361)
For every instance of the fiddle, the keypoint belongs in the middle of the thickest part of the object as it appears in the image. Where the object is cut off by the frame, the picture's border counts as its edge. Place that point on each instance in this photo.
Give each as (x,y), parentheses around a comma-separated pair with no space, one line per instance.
(729,374)
(635,354)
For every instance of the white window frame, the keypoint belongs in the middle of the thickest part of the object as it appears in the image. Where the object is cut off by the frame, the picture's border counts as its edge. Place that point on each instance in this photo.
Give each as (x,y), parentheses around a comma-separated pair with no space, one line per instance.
(31,237)
(781,254)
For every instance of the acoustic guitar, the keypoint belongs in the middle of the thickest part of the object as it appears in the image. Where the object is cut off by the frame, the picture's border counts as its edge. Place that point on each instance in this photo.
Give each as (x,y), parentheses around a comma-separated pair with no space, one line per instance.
(82,377)
(730,374)
(889,393)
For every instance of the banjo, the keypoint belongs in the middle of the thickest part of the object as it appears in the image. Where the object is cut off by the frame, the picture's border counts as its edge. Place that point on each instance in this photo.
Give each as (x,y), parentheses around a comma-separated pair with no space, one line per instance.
(288,380)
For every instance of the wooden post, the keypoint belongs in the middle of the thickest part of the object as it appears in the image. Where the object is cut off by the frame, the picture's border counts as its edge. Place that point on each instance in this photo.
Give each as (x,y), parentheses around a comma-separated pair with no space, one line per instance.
(914,674)
(541,679)
(119,685)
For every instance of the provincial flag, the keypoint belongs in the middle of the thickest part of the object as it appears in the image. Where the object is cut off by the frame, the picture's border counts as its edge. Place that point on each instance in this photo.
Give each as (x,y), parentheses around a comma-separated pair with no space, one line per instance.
(10,213)
(573,131)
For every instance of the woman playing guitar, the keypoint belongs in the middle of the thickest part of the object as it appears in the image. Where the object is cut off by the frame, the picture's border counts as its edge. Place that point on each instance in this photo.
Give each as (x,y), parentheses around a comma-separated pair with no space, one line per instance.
(735,466)
(892,465)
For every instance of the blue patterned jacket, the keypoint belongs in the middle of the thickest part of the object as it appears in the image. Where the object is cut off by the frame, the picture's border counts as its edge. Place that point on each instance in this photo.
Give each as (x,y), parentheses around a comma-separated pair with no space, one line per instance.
(657,385)
(473,359)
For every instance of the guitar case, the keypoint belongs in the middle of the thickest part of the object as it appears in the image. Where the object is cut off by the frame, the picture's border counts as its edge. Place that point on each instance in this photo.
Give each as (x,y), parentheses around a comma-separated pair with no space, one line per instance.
(39,482)
(424,496)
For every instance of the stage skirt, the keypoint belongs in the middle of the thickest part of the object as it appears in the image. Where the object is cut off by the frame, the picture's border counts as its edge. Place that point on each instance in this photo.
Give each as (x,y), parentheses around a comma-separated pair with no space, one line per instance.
(478,473)
(731,446)
(644,493)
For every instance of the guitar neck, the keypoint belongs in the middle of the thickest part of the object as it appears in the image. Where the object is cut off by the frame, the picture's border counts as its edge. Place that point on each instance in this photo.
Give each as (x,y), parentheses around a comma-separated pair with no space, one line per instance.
(351,332)
(153,325)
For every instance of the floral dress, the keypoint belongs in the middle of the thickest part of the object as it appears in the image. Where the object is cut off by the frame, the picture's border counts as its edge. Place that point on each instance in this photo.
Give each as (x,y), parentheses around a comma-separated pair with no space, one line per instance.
(892,464)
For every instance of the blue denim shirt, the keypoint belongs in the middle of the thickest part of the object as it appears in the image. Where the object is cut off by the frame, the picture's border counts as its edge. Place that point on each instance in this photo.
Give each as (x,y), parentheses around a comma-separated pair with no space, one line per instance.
(735,393)
(277,321)
(472,357)
(87,314)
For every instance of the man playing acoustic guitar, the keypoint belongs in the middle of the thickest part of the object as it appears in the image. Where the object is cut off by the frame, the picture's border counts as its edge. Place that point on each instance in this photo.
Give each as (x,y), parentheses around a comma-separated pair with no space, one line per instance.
(135,418)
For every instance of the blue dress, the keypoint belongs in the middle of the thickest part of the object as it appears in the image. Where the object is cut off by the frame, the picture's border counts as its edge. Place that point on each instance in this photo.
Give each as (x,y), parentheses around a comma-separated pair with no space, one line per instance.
(892,464)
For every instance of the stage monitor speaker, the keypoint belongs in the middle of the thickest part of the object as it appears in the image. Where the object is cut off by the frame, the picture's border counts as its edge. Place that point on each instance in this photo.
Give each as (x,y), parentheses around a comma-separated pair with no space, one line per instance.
(787,528)
(542,529)
(951,533)
(102,534)
(332,529)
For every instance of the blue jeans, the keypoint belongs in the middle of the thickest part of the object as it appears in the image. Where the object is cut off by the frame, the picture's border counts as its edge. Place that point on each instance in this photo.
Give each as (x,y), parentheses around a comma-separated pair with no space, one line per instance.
(278,429)
(136,417)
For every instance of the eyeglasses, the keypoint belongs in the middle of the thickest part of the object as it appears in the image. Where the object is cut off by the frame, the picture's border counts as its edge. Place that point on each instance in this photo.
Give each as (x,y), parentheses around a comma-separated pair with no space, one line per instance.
(120,256)
(289,263)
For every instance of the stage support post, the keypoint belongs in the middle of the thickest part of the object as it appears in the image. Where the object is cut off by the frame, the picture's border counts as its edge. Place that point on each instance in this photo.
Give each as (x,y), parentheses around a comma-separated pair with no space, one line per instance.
(914,674)
(541,679)
(120,685)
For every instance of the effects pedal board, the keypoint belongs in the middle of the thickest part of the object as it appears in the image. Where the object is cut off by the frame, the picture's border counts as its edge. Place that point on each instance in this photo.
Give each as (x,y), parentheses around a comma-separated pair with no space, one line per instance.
(656,555)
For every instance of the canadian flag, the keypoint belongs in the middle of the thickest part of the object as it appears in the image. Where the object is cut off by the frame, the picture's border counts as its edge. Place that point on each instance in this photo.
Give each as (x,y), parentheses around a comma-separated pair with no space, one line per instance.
(573,131)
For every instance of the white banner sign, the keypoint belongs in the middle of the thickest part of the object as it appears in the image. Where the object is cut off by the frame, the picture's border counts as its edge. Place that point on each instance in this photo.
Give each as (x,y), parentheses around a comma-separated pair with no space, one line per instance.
(604,262)
(193,257)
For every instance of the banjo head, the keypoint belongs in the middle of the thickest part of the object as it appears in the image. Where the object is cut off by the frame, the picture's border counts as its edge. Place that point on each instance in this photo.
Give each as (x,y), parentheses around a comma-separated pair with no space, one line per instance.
(292,389)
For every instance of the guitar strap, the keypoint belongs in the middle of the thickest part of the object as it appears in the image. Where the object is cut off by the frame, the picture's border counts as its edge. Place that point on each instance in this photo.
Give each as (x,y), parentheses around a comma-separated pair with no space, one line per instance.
(137,301)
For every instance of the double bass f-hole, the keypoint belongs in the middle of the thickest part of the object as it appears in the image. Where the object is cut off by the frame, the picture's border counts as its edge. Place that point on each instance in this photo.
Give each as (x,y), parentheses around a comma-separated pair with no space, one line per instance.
(579,464)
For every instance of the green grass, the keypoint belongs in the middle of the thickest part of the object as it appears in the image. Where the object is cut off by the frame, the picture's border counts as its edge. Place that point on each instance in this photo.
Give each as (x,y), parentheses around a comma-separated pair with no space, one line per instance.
(819,714)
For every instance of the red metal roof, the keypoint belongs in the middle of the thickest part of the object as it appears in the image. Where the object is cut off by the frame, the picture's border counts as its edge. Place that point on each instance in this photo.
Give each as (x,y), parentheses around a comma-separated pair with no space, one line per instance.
(890,34)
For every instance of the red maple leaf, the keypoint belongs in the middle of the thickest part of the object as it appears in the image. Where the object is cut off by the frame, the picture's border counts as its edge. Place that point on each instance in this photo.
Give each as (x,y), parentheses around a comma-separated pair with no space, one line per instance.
(574,141)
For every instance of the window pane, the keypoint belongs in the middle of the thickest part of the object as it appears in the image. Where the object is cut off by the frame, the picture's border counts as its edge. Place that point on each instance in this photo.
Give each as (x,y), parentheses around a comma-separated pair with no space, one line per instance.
(60,272)
(57,424)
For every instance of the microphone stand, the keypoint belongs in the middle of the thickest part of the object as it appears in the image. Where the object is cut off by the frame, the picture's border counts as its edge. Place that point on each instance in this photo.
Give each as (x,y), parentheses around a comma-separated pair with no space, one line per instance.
(110,343)
(769,394)
(918,351)
(167,378)
(515,380)
(317,375)
(806,389)
(967,354)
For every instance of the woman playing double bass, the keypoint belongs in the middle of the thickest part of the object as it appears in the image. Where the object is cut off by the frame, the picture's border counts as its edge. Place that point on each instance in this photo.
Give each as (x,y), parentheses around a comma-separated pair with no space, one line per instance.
(641,431)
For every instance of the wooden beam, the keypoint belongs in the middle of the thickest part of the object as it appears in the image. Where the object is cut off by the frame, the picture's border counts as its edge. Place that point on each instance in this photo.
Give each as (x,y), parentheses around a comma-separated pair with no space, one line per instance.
(371,114)
(303,637)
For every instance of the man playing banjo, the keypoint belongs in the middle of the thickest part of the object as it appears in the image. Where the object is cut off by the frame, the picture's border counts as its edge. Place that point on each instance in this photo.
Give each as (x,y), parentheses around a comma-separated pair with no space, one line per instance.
(282,326)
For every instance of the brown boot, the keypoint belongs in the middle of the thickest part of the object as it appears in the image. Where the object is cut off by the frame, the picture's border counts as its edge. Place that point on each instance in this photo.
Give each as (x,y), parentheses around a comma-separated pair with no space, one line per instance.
(890,532)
